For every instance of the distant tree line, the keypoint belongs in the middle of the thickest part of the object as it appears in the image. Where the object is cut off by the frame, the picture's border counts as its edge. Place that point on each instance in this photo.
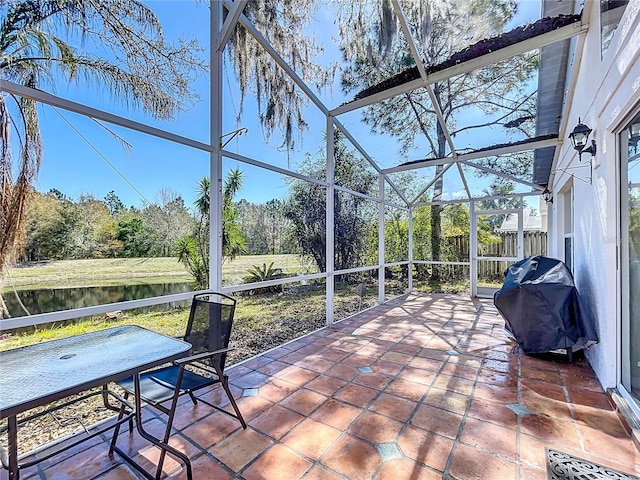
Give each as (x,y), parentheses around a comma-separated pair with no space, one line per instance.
(61,228)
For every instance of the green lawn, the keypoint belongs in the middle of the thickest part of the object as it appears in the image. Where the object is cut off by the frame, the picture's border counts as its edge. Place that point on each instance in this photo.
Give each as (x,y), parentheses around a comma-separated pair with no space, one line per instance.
(261,322)
(96,272)
(131,271)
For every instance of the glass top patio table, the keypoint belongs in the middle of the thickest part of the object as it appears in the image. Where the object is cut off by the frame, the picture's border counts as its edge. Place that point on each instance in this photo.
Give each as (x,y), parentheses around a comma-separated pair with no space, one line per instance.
(39,374)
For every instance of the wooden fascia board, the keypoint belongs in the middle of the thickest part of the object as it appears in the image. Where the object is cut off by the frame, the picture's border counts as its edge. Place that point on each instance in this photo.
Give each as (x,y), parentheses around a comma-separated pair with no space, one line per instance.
(557,35)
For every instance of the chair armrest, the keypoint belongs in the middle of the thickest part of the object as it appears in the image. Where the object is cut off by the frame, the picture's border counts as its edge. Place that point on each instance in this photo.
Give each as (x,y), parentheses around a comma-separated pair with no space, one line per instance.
(200,356)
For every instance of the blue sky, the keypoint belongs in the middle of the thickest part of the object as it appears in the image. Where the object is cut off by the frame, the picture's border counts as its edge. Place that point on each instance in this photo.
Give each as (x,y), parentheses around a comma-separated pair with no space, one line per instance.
(94,162)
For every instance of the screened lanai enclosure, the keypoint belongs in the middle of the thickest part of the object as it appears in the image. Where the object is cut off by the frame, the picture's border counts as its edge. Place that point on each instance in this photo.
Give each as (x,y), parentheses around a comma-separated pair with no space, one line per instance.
(354,151)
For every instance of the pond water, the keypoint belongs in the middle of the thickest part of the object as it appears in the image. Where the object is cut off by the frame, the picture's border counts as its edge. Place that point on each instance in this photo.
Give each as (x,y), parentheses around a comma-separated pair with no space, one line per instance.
(53,299)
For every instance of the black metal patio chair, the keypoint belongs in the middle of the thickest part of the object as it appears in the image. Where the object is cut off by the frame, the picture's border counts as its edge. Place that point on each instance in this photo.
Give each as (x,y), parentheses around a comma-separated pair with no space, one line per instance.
(208,331)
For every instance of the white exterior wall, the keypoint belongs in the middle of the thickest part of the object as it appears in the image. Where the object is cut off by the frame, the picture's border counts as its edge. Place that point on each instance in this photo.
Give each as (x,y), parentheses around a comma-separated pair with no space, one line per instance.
(607,90)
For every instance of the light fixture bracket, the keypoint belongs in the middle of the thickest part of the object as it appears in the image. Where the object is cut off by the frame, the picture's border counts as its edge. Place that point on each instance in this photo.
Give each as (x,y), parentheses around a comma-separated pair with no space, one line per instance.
(592,150)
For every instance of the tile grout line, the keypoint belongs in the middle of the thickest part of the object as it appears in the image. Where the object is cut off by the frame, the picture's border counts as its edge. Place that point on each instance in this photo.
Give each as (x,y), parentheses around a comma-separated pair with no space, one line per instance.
(447,467)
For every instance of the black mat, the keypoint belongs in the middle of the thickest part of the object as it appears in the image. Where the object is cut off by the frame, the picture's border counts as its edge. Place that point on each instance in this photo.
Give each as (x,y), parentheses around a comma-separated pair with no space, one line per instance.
(562,466)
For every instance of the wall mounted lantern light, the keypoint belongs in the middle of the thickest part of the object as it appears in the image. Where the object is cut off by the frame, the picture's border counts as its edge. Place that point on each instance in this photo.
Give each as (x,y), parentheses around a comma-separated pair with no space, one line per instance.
(547,196)
(579,138)
(634,136)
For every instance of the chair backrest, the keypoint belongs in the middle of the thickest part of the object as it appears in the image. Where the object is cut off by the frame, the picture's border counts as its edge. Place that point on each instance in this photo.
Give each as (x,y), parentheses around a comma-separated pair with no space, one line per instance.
(210,321)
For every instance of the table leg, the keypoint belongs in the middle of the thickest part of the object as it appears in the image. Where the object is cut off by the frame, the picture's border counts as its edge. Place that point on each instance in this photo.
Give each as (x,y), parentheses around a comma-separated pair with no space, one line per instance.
(14,468)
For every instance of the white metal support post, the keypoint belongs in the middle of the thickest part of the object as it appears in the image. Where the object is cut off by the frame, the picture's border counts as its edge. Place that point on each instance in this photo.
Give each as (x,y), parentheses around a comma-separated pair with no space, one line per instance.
(410,266)
(381,269)
(330,222)
(520,251)
(215,170)
(473,250)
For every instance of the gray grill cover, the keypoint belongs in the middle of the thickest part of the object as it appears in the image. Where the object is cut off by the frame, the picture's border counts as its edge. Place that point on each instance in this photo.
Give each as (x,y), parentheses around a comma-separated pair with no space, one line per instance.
(542,308)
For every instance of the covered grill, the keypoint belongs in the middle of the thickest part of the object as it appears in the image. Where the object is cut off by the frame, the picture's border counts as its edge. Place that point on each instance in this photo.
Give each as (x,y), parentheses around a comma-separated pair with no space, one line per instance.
(542,308)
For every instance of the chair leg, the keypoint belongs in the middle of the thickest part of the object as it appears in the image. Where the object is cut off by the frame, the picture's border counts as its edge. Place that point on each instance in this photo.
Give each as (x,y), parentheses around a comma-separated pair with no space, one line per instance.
(193,398)
(224,380)
(225,385)
(171,413)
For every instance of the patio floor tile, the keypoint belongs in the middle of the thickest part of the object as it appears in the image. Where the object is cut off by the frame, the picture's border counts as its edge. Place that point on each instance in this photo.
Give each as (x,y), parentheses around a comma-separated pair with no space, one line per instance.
(495,393)
(582,396)
(394,407)
(204,467)
(321,473)
(451,401)
(317,364)
(303,401)
(211,429)
(425,447)
(83,465)
(495,412)
(345,372)
(241,448)
(276,421)
(326,385)
(277,462)
(277,389)
(375,428)
(542,387)
(437,420)
(433,406)
(353,458)
(406,389)
(453,384)
(490,437)
(336,414)
(296,375)
(550,429)
(356,395)
(527,473)
(311,438)
(119,473)
(605,445)
(404,469)
(470,464)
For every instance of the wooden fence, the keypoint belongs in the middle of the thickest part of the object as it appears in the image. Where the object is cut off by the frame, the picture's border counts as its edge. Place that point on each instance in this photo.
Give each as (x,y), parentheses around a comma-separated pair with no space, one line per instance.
(535,243)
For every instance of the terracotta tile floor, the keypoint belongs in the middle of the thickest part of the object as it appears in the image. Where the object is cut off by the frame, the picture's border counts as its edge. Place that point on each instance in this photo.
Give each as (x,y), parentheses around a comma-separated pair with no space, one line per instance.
(416,389)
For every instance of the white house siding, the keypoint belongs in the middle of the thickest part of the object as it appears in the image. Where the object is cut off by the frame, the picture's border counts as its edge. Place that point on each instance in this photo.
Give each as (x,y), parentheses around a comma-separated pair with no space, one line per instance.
(607,90)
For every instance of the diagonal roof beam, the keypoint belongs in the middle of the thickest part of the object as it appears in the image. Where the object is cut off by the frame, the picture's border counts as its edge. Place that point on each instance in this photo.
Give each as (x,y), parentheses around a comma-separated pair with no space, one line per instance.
(463,177)
(70,106)
(502,174)
(433,180)
(484,153)
(561,33)
(230,22)
(369,159)
(246,23)
(423,73)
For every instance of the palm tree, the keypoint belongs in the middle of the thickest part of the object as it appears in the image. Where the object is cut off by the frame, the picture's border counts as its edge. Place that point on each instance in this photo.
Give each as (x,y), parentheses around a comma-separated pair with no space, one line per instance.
(233,243)
(193,250)
(501,189)
(38,48)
